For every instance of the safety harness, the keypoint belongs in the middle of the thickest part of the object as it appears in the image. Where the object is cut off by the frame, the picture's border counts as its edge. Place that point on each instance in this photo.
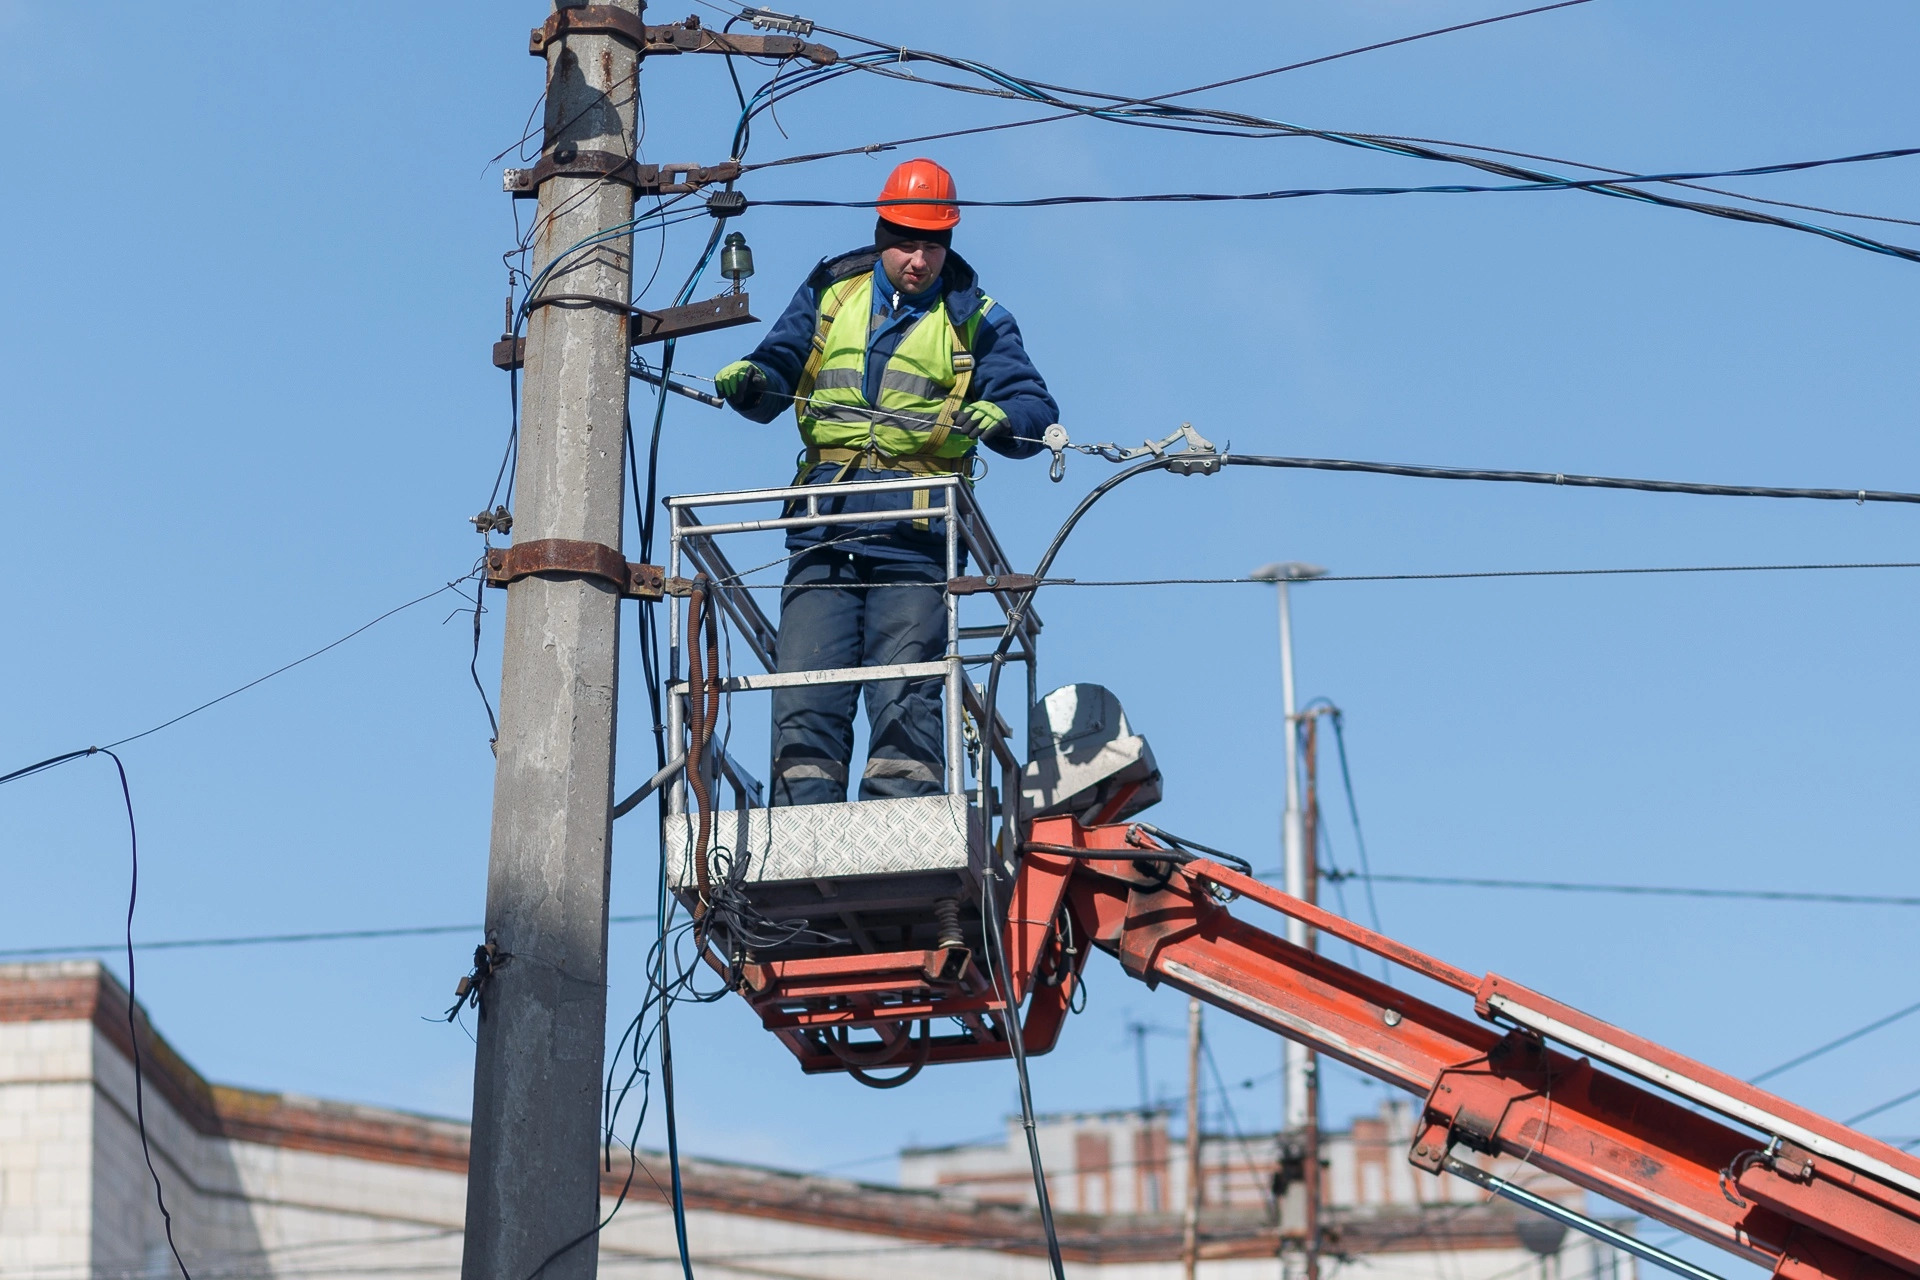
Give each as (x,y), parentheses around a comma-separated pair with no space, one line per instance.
(929,431)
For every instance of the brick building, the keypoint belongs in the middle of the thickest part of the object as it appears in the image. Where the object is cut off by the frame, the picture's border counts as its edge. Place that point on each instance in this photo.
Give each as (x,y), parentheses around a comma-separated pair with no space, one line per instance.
(272,1185)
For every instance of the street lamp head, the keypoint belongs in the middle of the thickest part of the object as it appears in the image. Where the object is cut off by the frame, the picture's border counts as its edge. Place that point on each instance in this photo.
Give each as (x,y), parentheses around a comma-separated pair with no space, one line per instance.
(1287,571)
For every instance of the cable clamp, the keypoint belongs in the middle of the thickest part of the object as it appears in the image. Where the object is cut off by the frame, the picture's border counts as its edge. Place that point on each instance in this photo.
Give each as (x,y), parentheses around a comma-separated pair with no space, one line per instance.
(679,37)
(786,24)
(1200,457)
(498,520)
(472,988)
(974,584)
(580,559)
(727,204)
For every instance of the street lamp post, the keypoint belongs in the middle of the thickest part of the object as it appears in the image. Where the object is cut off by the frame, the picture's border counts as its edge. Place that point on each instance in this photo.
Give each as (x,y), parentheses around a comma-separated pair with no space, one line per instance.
(1292,842)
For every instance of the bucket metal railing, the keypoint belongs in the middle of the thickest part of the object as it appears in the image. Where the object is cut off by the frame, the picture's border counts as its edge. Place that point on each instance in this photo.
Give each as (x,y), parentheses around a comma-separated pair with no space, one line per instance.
(698,521)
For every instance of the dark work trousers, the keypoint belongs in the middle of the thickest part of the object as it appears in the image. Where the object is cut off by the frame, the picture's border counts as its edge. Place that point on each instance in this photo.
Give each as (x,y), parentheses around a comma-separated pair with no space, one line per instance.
(857,617)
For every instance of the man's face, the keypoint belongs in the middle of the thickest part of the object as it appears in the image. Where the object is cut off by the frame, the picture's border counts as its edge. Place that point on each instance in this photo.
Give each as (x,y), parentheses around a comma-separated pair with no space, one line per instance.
(912,265)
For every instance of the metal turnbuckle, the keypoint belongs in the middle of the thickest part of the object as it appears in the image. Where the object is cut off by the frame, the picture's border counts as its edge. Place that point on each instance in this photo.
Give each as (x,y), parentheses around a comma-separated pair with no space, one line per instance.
(1200,457)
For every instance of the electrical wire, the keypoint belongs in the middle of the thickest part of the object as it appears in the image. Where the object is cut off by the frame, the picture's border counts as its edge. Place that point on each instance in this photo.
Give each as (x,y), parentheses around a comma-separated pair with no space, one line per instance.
(1647,890)
(1692,186)
(133,1009)
(1607,185)
(1339,719)
(1831,1045)
(28,771)
(1022,600)
(1465,576)
(270,939)
(1001,975)
(1233,1126)
(1568,480)
(1155,113)
(1888,1105)
(1478,574)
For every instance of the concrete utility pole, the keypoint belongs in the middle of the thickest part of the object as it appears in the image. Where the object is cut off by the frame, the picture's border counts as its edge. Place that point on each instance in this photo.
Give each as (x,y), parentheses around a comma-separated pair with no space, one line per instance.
(1310,1181)
(1190,1238)
(533,1177)
(1293,848)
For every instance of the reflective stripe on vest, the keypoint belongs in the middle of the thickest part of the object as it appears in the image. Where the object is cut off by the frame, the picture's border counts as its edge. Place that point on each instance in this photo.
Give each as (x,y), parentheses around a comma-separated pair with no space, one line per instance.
(921,388)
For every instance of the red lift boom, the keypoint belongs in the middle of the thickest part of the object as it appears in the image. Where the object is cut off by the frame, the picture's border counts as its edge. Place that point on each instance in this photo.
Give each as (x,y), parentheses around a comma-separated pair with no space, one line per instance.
(1531,1078)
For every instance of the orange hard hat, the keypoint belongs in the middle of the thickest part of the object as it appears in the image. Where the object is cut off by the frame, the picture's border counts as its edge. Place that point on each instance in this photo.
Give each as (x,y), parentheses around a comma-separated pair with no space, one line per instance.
(920,180)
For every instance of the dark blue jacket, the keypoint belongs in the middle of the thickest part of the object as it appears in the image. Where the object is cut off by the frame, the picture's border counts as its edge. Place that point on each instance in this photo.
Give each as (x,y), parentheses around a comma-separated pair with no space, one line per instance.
(1002,375)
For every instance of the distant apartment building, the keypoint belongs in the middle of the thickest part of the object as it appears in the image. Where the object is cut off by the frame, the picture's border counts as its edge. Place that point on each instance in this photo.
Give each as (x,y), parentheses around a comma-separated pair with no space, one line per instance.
(1127,1164)
(266,1186)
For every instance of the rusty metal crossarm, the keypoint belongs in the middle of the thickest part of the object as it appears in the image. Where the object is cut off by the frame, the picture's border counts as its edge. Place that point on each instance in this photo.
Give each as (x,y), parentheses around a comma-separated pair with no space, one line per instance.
(643,326)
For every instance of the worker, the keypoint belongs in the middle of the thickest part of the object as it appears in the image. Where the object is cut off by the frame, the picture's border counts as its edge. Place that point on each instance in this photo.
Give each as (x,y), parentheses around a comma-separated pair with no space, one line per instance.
(896,365)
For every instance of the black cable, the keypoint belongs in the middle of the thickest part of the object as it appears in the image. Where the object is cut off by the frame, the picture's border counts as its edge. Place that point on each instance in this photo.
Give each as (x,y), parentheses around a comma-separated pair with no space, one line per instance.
(1353,812)
(1548,183)
(673,1143)
(1405,577)
(1831,1045)
(1233,1125)
(1190,460)
(1662,891)
(1184,845)
(1330,871)
(1888,1105)
(1002,976)
(272,939)
(646,552)
(39,766)
(473,669)
(53,761)
(1463,576)
(1627,173)
(1859,496)
(947,134)
(133,1007)
(1272,71)
(1153,113)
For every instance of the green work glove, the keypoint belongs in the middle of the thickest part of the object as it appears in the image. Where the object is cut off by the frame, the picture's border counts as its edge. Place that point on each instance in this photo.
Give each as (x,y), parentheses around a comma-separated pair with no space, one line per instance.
(981,419)
(741,383)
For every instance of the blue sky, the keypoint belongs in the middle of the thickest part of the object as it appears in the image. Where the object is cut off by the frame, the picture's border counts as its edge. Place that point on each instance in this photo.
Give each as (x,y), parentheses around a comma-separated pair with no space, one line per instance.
(257,273)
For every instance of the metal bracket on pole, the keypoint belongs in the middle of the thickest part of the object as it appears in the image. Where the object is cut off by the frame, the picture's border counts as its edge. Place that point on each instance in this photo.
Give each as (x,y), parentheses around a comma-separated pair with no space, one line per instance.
(722,312)
(585,559)
(679,37)
(645,179)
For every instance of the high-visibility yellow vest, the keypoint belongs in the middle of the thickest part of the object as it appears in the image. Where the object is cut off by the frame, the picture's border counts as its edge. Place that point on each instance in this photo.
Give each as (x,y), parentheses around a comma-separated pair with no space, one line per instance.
(921,389)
